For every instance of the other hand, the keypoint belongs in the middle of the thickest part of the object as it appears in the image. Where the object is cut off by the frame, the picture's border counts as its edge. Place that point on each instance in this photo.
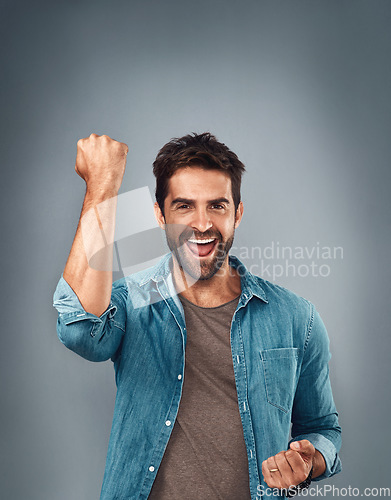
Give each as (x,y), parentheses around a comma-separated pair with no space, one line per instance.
(291,467)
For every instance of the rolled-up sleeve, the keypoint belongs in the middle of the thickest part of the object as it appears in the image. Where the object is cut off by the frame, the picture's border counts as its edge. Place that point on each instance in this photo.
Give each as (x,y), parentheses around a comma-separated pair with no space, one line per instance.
(314,415)
(96,338)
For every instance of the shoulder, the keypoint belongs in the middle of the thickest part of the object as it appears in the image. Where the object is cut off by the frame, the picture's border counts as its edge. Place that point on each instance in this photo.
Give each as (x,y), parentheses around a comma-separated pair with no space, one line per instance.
(277,294)
(288,308)
(286,305)
(281,294)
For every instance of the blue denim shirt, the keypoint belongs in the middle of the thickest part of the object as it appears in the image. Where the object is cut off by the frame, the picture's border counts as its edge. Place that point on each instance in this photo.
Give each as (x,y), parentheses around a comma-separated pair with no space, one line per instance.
(280,354)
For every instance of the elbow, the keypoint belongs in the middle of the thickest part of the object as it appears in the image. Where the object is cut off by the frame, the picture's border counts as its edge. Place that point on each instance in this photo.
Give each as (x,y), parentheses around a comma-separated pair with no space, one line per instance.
(82,339)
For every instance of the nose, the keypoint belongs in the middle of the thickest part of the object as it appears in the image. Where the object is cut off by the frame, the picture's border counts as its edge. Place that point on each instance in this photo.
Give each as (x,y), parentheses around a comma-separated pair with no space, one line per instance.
(201,221)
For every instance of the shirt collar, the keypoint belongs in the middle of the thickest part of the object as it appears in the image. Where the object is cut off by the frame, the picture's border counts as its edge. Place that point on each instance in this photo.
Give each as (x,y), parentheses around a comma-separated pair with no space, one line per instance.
(250,283)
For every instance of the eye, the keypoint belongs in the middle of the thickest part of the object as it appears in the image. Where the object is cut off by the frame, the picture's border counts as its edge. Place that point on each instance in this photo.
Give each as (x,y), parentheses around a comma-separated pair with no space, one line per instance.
(218,206)
(183,207)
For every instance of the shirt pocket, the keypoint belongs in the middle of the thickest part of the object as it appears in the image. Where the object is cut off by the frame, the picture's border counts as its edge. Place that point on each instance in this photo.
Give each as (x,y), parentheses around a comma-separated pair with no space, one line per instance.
(280,368)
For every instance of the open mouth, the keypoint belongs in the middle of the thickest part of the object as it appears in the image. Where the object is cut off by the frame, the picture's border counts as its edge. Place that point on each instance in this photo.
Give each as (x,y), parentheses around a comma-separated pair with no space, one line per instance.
(201,248)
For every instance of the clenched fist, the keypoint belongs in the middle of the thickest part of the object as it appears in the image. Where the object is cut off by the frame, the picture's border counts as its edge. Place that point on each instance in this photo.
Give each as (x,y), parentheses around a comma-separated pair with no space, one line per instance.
(291,467)
(101,161)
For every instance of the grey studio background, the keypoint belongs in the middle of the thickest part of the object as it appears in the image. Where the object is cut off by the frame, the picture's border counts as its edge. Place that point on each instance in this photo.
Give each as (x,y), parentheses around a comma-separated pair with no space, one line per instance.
(300,90)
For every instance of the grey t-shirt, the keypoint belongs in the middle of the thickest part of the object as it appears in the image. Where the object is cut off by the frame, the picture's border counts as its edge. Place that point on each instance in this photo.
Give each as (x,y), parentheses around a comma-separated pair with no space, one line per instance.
(206,455)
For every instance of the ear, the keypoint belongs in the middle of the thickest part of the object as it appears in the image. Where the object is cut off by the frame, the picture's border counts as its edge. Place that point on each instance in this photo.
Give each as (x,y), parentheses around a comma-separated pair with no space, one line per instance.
(239,214)
(159,216)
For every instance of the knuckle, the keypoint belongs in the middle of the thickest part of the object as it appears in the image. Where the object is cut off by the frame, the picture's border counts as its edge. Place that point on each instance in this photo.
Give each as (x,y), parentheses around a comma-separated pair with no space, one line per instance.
(301,476)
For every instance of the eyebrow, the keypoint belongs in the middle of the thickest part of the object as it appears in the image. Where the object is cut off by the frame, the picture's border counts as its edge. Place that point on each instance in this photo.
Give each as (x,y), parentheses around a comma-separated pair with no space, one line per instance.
(187,201)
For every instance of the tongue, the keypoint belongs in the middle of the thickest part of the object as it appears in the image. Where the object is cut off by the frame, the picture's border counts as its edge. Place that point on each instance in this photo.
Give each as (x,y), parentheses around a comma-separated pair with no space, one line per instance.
(202,249)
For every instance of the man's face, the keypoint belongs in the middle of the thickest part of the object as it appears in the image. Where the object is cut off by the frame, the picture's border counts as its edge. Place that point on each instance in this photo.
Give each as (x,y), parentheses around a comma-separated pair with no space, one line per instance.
(200,220)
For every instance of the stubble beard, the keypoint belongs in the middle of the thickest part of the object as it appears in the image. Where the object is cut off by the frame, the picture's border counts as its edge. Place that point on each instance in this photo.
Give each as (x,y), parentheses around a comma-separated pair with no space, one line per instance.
(199,270)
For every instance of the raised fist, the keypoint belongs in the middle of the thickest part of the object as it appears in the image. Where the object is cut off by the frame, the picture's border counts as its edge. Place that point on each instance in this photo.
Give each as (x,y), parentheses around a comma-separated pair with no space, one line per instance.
(101,161)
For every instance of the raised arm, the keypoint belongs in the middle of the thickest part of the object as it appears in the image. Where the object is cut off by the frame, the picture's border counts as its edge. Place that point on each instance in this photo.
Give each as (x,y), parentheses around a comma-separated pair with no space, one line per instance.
(100,161)
(91,310)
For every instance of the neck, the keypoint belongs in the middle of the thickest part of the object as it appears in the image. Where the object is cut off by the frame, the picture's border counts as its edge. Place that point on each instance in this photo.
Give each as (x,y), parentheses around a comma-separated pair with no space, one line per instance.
(215,291)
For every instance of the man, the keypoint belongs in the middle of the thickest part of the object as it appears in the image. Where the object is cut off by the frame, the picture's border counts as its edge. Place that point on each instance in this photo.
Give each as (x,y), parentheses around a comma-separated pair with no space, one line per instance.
(212,363)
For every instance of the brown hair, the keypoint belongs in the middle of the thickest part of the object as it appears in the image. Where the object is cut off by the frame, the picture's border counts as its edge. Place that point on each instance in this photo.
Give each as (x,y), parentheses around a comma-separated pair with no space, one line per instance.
(201,150)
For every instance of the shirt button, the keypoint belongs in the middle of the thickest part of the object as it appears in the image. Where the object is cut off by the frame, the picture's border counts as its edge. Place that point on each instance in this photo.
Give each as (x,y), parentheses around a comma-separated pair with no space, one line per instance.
(179,377)
(168,423)
(151,468)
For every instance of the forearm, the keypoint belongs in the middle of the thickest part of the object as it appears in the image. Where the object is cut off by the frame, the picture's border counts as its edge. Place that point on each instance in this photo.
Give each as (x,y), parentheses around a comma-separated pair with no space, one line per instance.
(89,266)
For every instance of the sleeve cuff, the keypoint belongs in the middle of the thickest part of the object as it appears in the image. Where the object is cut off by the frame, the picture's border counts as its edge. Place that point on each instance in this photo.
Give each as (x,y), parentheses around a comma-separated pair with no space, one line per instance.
(65,300)
(327,449)
(69,307)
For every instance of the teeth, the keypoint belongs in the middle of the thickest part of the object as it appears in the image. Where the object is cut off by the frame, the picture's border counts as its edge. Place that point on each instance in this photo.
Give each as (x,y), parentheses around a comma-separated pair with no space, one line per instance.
(201,242)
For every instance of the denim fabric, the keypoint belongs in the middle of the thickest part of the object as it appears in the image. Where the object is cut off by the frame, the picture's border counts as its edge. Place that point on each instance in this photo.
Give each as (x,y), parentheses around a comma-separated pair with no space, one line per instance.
(280,353)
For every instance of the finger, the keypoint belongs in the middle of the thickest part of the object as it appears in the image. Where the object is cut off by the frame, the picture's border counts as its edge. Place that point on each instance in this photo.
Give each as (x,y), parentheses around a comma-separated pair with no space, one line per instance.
(268,476)
(79,157)
(300,468)
(304,447)
(122,146)
(125,148)
(295,460)
(273,467)
(273,471)
(287,478)
(306,450)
